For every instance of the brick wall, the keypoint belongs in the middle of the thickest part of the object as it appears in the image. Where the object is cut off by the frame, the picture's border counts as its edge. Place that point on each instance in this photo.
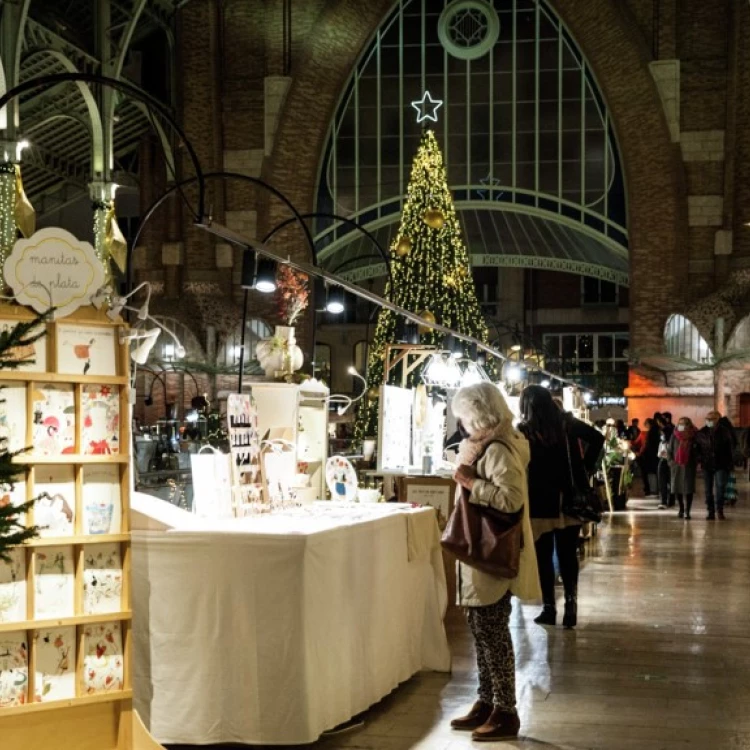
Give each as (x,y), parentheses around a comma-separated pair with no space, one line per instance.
(677,85)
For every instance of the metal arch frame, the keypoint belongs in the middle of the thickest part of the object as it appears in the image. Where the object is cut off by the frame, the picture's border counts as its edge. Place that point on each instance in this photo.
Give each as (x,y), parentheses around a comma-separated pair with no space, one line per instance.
(248,245)
(47,82)
(583,268)
(96,129)
(489,205)
(361,228)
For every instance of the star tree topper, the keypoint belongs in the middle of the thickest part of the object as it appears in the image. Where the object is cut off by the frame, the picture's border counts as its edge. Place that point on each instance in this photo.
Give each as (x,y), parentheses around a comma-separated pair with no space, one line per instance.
(427,107)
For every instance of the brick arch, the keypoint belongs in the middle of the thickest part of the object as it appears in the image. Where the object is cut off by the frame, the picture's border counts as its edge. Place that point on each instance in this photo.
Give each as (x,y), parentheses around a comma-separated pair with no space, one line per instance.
(615,49)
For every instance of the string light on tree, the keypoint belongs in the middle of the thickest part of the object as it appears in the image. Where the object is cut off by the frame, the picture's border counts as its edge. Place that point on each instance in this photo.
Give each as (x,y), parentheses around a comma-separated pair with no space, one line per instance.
(433,280)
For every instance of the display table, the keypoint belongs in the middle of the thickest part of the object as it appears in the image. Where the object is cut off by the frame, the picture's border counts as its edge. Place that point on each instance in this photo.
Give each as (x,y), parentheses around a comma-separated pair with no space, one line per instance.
(273,629)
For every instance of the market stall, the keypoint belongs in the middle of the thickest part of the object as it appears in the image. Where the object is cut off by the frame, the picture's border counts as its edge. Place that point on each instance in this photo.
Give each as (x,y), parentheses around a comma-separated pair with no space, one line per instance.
(285,624)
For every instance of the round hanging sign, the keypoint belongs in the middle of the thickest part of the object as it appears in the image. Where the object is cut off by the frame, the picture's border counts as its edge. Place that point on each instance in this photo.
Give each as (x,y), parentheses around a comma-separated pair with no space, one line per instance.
(53,269)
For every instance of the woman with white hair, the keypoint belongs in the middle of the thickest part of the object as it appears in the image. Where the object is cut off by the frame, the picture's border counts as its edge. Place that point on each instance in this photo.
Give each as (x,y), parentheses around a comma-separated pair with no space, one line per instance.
(492,462)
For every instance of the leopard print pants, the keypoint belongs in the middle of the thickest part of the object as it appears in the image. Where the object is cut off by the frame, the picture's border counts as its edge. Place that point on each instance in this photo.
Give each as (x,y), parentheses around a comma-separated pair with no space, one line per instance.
(495,658)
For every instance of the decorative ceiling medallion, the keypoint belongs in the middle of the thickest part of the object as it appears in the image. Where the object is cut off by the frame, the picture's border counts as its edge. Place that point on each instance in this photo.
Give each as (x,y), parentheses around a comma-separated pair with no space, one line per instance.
(468,29)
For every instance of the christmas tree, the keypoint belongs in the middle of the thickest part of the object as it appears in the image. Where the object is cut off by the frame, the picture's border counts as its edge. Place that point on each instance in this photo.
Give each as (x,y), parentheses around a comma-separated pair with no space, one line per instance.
(12,532)
(430,269)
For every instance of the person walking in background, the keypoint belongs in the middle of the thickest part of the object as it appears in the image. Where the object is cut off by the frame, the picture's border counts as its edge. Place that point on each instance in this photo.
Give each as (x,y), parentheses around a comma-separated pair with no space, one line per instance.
(622,430)
(664,469)
(634,430)
(649,457)
(639,447)
(492,462)
(557,463)
(716,443)
(684,464)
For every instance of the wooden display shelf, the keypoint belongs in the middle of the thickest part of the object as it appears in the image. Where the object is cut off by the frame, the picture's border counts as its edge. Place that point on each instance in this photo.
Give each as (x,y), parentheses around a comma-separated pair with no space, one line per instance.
(83,700)
(61,541)
(60,622)
(24,376)
(70,458)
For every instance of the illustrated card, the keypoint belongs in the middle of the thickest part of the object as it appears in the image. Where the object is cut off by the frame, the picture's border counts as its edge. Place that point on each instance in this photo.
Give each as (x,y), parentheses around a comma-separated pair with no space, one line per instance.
(55,674)
(103,659)
(54,511)
(54,583)
(13,587)
(100,411)
(102,579)
(86,350)
(14,669)
(54,411)
(101,500)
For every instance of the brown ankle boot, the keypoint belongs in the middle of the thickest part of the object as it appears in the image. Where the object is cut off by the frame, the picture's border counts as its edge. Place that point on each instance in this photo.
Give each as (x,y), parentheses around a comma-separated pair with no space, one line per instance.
(501,725)
(479,713)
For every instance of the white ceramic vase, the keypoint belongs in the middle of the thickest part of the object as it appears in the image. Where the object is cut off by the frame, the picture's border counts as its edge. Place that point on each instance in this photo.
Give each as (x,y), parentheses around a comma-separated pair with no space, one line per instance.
(280,353)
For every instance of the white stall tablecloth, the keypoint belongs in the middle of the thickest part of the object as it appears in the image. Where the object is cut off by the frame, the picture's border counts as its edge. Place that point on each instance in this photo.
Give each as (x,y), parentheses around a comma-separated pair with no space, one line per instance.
(273,629)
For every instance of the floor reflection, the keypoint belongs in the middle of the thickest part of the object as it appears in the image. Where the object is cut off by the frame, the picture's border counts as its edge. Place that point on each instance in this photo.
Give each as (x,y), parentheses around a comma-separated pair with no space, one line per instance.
(659,661)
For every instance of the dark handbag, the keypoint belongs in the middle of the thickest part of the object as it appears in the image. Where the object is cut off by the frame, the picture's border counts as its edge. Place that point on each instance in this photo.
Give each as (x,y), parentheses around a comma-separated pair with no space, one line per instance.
(484,538)
(583,505)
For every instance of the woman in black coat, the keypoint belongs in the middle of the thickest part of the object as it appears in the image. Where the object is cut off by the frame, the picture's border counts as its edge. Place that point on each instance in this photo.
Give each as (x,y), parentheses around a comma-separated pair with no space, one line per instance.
(648,460)
(564,453)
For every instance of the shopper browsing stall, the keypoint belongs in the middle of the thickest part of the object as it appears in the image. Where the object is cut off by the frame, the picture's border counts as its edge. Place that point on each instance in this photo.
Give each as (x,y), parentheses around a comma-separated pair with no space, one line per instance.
(492,468)
(556,463)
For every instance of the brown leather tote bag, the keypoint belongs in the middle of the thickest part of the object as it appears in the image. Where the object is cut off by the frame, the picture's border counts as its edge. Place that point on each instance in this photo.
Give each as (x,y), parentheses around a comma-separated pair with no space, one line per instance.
(484,538)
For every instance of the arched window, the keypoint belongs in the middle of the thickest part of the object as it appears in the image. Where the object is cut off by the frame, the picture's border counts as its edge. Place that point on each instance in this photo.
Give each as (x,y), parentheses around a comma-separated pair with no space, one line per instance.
(322,363)
(165,347)
(682,339)
(740,338)
(526,135)
(256,331)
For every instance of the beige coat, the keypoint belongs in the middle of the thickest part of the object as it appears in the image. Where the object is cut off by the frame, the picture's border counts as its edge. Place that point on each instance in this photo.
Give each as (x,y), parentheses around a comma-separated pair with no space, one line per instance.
(502,484)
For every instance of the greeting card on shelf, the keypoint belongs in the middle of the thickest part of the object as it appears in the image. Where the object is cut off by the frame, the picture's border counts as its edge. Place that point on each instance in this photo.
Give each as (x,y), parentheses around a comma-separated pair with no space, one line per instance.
(101,500)
(102,579)
(55,673)
(33,357)
(54,583)
(15,495)
(103,658)
(14,670)
(54,511)
(13,588)
(13,415)
(100,411)
(54,419)
(86,350)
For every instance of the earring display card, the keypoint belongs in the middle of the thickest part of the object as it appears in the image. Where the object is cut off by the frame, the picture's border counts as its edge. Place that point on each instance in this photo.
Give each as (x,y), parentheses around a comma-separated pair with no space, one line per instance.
(86,350)
(33,358)
(54,511)
(103,658)
(102,579)
(100,412)
(13,588)
(54,419)
(13,415)
(54,583)
(244,441)
(55,674)
(14,669)
(101,500)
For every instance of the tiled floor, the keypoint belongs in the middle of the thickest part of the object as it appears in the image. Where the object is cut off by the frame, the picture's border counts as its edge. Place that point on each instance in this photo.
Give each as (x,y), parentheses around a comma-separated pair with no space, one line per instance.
(659,661)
